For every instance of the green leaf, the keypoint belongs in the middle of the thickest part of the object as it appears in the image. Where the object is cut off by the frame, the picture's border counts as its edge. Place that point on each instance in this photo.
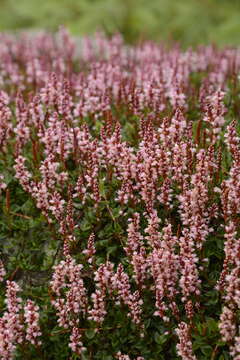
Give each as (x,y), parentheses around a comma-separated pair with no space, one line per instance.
(160,339)
(90,333)
(206,350)
(112,249)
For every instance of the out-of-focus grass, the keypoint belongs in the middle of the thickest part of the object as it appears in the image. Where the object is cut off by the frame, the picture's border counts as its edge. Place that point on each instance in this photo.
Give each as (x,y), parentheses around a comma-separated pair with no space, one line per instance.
(190,21)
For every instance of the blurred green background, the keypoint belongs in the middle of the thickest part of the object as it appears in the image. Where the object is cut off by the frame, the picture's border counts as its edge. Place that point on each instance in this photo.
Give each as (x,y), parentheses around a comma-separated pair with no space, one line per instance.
(189,21)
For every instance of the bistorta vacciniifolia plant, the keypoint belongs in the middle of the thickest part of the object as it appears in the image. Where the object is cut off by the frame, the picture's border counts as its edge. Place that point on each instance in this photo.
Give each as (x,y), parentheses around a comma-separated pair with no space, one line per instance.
(120,188)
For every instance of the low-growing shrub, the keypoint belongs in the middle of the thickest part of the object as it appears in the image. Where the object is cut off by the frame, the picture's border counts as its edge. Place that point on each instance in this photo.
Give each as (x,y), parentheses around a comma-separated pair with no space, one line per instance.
(120,188)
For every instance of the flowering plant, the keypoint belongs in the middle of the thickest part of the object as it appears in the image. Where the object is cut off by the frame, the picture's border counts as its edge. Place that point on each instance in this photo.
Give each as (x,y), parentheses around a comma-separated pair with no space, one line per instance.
(120,187)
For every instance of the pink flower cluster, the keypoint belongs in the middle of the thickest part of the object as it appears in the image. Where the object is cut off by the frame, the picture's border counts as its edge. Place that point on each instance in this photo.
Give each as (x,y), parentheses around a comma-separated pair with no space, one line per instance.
(12,330)
(184,347)
(68,286)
